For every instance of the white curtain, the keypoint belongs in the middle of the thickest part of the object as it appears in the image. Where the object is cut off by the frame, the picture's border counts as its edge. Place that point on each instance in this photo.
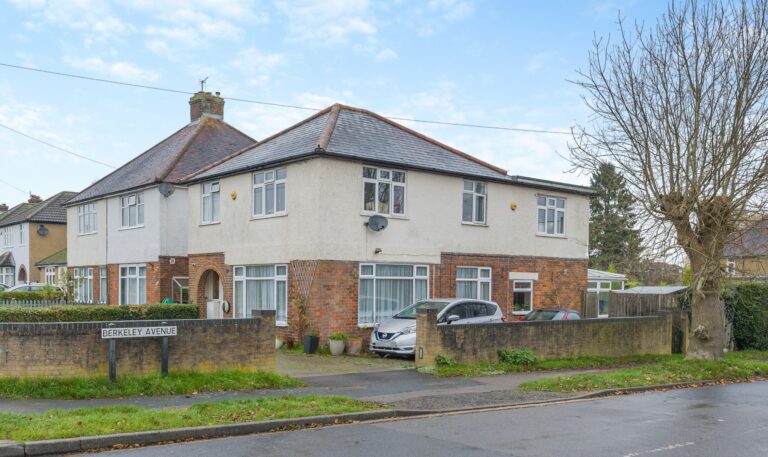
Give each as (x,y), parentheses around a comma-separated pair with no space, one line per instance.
(392,295)
(365,302)
(466,289)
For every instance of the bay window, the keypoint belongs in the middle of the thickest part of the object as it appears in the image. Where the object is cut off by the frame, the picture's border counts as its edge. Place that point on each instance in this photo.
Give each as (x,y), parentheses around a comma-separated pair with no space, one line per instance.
(83,282)
(386,289)
(211,202)
(261,287)
(269,192)
(551,215)
(132,210)
(473,202)
(473,282)
(383,191)
(86,219)
(522,297)
(8,276)
(50,275)
(133,284)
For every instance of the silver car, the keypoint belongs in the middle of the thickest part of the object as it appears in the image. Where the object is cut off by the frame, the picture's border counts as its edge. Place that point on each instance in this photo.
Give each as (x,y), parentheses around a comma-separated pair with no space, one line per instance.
(398,335)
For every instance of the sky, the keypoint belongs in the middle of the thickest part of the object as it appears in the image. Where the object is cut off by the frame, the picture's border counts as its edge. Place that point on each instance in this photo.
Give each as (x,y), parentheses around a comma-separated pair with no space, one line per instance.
(503,63)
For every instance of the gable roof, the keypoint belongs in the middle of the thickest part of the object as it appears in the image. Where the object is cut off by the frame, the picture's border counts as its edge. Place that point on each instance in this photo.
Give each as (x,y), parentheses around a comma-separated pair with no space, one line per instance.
(57,258)
(51,211)
(6,259)
(752,242)
(199,143)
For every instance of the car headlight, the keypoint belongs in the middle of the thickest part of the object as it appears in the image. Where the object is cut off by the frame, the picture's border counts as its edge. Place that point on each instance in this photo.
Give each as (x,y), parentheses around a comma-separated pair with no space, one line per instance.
(409,330)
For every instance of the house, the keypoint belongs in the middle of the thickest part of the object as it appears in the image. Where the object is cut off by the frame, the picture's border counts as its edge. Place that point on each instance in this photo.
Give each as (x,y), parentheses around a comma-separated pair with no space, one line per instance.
(599,287)
(30,232)
(346,217)
(746,257)
(53,269)
(128,242)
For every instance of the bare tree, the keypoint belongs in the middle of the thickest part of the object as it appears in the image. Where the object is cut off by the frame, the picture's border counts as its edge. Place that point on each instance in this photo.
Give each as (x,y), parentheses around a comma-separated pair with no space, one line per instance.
(681,109)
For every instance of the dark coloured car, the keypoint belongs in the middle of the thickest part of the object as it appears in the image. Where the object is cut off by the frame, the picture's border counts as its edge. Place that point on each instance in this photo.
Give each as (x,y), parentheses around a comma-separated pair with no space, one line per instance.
(563,314)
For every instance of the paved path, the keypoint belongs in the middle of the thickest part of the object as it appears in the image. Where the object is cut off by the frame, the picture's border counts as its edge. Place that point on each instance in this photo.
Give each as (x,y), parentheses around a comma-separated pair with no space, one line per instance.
(730,420)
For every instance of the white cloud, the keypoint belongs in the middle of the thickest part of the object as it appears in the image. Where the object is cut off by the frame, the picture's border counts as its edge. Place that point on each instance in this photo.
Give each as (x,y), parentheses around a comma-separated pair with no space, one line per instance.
(452,10)
(91,16)
(385,54)
(256,65)
(328,22)
(123,70)
(436,15)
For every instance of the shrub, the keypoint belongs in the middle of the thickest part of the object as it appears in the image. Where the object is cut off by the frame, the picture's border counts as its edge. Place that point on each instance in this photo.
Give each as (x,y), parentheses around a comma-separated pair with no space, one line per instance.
(339,336)
(445,361)
(95,313)
(517,356)
(43,295)
(746,306)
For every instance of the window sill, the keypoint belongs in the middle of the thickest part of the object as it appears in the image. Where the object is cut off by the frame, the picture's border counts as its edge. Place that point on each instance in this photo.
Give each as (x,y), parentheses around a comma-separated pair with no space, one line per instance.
(388,216)
(281,324)
(520,313)
(87,234)
(472,224)
(203,224)
(269,216)
(547,235)
(366,325)
(131,228)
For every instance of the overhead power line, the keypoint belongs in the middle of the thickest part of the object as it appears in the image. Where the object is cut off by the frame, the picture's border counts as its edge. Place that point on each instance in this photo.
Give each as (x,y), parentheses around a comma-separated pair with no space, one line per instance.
(14,187)
(56,147)
(280,105)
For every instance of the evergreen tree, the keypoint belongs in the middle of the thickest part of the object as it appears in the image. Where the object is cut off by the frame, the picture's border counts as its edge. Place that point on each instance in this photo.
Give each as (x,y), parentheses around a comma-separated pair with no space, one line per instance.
(614,243)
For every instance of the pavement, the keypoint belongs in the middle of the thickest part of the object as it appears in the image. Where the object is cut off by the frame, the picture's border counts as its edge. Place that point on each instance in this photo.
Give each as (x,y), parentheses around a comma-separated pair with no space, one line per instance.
(726,420)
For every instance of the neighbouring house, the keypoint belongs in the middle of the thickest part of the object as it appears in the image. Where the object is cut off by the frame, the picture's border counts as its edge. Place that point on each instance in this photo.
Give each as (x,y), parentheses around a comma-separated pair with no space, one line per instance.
(654,272)
(30,232)
(746,257)
(599,286)
(53,269)
(345,218)
(128,237)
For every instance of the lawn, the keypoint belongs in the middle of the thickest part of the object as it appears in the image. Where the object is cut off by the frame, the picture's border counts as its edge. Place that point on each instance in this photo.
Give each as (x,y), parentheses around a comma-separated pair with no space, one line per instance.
(738,366)
(176,383)
(580,363)
(58,423)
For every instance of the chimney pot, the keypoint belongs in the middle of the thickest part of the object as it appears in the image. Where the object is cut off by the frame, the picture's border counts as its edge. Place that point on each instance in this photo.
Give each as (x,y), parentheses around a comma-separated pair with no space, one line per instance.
(34,198)
(206,103)
(3,207)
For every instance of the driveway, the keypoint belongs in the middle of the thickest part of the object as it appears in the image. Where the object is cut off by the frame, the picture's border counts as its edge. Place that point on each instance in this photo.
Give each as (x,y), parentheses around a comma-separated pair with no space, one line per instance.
(300,365)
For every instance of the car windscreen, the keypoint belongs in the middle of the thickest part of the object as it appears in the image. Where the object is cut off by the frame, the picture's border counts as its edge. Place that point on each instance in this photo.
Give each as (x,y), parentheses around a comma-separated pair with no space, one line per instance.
(410,312)
(541,316)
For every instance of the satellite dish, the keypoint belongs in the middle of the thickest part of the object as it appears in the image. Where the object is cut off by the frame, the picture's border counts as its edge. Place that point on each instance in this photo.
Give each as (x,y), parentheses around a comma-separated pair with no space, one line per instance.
(166,189)
(42,230)
(377,223)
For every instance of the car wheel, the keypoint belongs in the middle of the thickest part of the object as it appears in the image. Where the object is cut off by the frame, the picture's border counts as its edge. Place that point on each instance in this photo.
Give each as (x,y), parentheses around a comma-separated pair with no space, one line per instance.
(381,354)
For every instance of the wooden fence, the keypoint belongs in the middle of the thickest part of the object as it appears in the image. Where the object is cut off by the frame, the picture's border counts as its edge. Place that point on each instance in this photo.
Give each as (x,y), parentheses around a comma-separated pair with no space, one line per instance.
(634,305)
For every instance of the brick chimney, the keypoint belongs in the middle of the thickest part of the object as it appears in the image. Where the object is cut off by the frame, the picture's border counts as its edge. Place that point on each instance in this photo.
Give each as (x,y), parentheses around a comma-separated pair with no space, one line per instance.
(206,103)
(3,208)
(34,198)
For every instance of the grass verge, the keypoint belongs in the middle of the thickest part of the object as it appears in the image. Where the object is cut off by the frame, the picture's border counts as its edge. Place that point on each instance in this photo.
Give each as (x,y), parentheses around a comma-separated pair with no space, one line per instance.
(58,423)
(176,383)
(736,367)
(580,363)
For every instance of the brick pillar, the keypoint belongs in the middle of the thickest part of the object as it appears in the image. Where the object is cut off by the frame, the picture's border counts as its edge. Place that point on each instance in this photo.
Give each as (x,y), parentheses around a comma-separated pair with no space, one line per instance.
(266,335)
(427,337)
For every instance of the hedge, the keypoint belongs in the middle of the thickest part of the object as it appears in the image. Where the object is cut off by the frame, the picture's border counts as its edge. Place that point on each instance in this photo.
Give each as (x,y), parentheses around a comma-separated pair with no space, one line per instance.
(51,295)
(746,306)
(94,313)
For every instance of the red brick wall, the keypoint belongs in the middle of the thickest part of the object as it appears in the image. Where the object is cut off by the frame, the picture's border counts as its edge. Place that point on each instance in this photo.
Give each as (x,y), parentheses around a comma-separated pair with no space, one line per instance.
(199,266)
(160,277)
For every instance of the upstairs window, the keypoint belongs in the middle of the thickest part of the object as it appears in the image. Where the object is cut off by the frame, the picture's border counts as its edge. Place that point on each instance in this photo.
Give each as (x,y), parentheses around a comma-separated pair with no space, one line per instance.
(7,236)
(86,219)
(269,192)
(211,202)
(551,215)
(22,234)
(473,202)
(383,191)
(132,208)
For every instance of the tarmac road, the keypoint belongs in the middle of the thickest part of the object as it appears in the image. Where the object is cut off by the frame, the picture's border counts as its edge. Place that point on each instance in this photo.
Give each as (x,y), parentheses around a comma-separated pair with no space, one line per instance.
(728,420)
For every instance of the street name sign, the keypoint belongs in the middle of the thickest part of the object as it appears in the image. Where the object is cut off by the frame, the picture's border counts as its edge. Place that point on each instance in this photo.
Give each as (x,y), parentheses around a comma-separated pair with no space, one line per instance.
(137,332)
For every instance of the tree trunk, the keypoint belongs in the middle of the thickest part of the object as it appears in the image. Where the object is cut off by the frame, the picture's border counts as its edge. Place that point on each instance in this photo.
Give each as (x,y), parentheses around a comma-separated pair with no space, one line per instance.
(706,338)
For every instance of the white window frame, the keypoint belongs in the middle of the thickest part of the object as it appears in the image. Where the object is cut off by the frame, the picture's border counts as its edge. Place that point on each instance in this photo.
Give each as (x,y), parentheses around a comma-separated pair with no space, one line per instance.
(415,277)
(269,177)
(7,237)
(476,197)
(279,276)
(730,267)
(135,200)
(86,219)
(602,286)
(520,288)
(385,176)
(7,273)
(478,280)
(210,191)
(550,205)
(22,234)
(137,277)
(83,278)
(50,275)
(103,285)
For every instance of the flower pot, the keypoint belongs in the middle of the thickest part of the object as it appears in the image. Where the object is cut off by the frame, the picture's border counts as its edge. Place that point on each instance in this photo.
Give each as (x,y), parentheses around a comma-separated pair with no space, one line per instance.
(311,343)
(354,346)
(337,347)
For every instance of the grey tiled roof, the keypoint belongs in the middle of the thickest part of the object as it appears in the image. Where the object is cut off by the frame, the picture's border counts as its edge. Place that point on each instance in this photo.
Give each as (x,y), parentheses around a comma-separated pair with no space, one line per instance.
(50,211)
(6,259)
(753,242)
(193,147)
(357,134)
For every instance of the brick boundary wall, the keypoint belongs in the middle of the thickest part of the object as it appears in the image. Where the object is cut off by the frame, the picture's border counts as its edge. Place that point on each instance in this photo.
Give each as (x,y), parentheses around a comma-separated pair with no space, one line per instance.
(547,339)
(63,350)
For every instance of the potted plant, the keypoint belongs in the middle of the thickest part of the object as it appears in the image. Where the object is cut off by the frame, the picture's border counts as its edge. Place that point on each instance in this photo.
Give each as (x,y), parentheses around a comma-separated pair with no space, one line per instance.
(354,345)
(337,342)
(311,342)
